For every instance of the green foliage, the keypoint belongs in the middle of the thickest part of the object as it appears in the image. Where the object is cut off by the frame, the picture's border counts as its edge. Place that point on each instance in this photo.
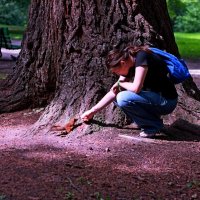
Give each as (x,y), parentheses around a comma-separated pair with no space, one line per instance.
(188,44)
(69,196)
(13,12)
(184,15)
(189,22)
(99,196)
(175,8)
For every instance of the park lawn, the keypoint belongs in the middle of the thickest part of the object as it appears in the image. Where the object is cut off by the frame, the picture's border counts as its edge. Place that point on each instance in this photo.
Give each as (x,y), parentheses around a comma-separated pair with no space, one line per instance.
(2,77)
(188,44)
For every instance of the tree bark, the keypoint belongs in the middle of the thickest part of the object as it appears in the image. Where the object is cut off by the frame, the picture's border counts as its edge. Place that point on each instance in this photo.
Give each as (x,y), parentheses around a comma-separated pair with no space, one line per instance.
(61,63)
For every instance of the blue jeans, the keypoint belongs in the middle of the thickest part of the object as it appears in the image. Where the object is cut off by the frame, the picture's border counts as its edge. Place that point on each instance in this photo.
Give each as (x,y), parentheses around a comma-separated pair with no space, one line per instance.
(145,108)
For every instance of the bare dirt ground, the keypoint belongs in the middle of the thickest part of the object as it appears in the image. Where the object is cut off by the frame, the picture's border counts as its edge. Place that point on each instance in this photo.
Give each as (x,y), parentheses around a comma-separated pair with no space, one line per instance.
(110,164)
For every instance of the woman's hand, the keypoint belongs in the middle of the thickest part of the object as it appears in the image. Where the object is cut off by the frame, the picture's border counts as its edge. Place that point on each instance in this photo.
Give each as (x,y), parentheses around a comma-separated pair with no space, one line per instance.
(87,115)
(106,100)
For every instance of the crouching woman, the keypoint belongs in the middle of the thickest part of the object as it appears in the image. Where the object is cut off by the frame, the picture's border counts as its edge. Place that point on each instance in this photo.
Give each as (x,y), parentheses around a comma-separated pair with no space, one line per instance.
(143,91)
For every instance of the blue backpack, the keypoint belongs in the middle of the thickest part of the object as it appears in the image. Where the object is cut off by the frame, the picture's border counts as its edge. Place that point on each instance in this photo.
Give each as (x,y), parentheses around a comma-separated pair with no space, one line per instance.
(178,71)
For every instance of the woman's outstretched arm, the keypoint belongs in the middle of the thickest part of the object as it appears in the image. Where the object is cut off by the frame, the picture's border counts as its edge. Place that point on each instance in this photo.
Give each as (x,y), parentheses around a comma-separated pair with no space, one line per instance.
(106,100)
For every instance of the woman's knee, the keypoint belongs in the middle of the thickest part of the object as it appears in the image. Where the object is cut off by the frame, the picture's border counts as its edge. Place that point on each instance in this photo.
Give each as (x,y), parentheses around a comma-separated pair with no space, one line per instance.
(124,98)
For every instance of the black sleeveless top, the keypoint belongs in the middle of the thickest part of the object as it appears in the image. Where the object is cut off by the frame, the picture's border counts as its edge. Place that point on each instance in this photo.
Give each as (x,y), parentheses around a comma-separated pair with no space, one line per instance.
(156,79)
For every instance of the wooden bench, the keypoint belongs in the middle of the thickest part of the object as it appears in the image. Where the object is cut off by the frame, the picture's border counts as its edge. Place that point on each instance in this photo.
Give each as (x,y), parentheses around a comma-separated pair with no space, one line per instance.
(5,40)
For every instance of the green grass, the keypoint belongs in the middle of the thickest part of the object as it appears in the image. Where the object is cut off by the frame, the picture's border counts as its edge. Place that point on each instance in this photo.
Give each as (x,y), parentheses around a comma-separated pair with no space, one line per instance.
(16,32)
(188,44)
(2,77)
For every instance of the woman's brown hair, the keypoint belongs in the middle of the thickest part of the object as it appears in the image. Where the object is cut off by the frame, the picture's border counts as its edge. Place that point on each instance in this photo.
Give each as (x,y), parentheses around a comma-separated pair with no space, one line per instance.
(115,56)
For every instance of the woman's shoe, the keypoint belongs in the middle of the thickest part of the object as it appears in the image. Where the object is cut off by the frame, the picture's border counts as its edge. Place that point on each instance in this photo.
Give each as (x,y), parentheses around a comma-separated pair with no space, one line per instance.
(145,134)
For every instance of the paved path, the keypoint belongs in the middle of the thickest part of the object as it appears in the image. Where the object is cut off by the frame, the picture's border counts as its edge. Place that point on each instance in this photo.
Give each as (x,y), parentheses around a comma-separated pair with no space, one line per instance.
(194,71)
(6,54)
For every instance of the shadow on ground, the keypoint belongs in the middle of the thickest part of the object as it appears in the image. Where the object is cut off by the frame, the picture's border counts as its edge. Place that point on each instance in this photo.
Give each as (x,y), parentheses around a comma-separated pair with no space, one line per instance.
(181,130)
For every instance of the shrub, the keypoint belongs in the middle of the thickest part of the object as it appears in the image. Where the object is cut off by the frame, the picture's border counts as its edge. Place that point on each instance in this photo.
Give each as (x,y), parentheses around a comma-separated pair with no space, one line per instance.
(189,22)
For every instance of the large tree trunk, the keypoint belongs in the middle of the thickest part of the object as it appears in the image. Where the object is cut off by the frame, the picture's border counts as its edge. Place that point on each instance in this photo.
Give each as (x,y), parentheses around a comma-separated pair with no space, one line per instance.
(62,60)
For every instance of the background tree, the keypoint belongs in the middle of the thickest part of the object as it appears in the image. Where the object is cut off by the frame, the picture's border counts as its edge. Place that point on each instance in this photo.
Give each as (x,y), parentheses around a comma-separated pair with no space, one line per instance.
(62,60)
